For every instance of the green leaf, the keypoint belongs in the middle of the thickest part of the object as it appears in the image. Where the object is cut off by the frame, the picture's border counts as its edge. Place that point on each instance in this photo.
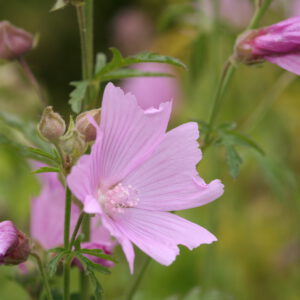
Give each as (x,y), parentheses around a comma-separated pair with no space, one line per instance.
(100,62)
(234,160)
(154,57)
(43,153)
(125,73)
(77,95)
(118,61)
(98,288)
(91,266)
(239,139)
(56,250)
(97,253)
(53,263)
(46,170)
(28,129)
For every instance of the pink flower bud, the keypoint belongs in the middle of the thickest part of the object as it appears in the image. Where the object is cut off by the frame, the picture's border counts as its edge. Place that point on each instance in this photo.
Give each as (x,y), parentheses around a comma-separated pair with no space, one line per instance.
(14,245)
(14,42)
(84,125)
(51,126)
(278,44)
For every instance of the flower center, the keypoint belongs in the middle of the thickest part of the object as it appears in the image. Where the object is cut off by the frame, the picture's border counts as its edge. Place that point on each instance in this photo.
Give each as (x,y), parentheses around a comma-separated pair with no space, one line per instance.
(118,198)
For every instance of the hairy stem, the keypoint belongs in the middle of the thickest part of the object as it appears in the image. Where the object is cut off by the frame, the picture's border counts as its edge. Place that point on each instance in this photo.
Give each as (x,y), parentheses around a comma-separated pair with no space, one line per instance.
(44,276)
(68,203)
(76,229)
(138,279)
(85,21)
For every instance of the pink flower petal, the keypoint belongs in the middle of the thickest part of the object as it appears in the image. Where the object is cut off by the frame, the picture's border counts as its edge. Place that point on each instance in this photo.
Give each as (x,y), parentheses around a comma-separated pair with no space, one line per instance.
(168,180)
(290,62)
(123,240)
(8,237)
(158,234)
(91,205)
(129,134)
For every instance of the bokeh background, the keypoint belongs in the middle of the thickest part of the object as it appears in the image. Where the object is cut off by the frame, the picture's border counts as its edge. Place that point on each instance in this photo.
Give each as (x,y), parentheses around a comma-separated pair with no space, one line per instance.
(257,220)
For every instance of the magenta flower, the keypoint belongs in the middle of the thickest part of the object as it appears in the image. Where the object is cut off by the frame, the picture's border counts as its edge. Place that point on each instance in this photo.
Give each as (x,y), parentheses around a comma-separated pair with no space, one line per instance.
(278,44)
(14,245)
(137,172)
(47,219)
(152,91)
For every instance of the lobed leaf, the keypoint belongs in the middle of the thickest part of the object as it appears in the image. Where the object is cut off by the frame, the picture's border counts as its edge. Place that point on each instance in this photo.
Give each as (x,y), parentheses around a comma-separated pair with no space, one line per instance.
(98,253)
(78,94)
(91,266)
(52,265)
(233,159)
(126,73)
(46,170)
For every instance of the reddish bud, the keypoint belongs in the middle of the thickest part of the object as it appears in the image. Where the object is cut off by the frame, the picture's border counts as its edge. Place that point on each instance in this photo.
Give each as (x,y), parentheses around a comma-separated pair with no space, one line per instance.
(14,41)
(84,125)
(51,126)
(14,245)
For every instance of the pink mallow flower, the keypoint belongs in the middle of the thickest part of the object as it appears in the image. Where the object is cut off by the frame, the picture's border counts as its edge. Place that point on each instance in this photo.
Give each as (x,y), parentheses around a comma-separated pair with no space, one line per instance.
(47,219)
(137,173)
(14,245)
(152,91)
(278,44)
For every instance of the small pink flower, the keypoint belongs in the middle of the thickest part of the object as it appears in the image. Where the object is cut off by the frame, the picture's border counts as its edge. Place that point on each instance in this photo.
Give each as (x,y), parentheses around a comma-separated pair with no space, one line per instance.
(137,172)
(14,245)
(14,41)
(152,91)
(278,44)
(47,218)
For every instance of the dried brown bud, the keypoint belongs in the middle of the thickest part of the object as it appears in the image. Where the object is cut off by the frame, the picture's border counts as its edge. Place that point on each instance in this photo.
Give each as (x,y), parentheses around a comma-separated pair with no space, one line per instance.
(14,245)
(14,41)
(84,125)
(51,126)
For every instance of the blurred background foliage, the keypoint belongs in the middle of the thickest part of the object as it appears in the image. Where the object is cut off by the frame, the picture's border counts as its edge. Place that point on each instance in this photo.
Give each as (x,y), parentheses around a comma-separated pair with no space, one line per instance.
(257,220)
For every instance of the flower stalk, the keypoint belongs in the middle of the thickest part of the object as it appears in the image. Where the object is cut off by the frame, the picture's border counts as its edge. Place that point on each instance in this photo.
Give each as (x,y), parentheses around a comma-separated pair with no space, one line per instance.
(44,275)
(227,74)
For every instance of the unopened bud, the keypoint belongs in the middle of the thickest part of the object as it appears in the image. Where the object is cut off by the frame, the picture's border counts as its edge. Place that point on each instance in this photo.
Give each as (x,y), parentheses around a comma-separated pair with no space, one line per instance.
(14,41)
(244,49)
(14,245)
(85,127)
(73,144)
(51,126)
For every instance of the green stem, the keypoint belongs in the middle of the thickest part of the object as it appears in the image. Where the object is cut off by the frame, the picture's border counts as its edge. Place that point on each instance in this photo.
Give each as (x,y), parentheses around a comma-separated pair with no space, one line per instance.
(76,229)
(138,279)
(68,204)
(227,75)
(85,21)
(67,273)
(259,13)
(44,275)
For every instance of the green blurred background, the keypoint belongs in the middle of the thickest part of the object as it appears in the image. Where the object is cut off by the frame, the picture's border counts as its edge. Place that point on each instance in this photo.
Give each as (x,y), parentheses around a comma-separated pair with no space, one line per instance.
(256,221)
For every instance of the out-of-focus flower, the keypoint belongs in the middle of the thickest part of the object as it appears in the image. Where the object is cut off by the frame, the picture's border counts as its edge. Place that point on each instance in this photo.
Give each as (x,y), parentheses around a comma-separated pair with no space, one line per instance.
(278,44)
(234,12)
(14,245)
(137,172)
(84,125)
(295,8)
(52,126)
(47,218)
(152,91)
(132,31)
(14,41)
